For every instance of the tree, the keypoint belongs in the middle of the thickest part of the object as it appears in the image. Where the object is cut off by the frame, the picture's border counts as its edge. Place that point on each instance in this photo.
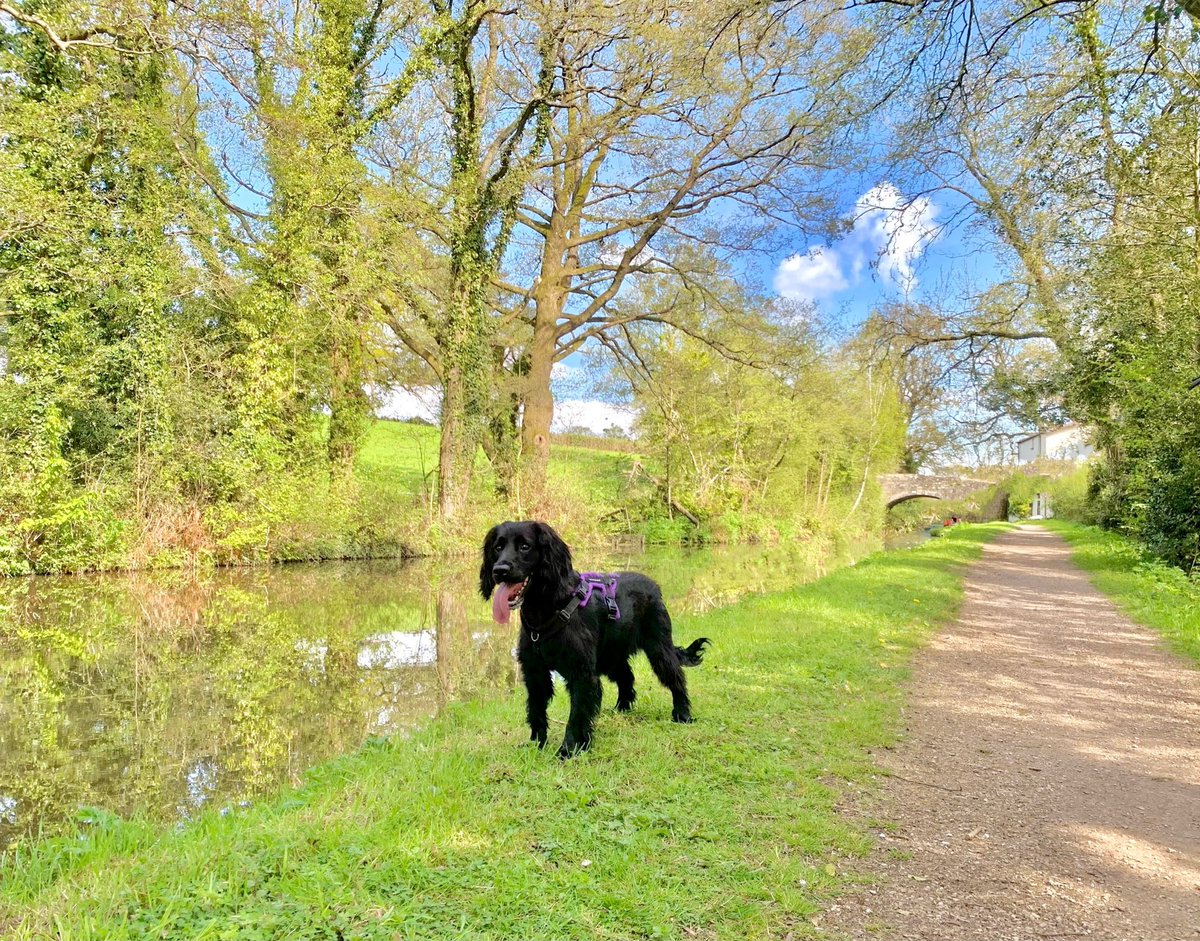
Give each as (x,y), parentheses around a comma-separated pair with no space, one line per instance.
(99,219)
(788,427)
(667,132)
(1080,157)
(494,82)
(302,90)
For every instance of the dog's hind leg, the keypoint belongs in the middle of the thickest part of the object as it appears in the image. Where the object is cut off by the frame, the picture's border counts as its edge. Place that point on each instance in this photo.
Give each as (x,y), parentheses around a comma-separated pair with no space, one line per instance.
(664,658)
(622,674)
(585,703)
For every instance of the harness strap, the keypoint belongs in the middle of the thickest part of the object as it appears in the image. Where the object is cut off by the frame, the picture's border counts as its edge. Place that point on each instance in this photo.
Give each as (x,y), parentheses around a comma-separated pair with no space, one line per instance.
(556,623)
(605,585)
(589,582)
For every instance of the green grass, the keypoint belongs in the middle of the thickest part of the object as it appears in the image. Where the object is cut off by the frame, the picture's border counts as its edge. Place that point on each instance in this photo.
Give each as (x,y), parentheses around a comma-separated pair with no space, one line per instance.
(397,467)
(724,829)
(397,470)
(1152,593)
(399,457)
(601,477)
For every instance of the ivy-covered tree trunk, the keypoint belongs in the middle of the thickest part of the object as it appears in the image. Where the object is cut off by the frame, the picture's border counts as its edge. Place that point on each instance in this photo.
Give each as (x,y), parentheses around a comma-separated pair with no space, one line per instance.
(539,399)
(349,408)
(484,198)
(468,375)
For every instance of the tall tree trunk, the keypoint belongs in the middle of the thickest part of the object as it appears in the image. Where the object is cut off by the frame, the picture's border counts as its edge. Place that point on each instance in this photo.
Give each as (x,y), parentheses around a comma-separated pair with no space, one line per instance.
(454,470)
(348,405)
(466,388)
(539,400)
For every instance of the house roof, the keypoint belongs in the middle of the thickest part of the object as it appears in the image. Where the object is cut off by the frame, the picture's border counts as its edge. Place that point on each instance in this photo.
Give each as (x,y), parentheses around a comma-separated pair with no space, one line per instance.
(1048,431)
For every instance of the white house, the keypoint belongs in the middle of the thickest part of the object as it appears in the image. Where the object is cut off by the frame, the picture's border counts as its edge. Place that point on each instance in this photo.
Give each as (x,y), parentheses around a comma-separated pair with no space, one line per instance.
(1068,443)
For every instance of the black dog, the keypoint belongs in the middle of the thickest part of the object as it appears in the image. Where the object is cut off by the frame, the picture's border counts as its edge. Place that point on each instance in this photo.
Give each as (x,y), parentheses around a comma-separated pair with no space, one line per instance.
(529,567)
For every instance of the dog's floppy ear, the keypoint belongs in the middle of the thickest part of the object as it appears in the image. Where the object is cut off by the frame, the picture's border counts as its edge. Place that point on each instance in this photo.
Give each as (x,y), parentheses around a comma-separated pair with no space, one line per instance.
(486,582)
(556,556)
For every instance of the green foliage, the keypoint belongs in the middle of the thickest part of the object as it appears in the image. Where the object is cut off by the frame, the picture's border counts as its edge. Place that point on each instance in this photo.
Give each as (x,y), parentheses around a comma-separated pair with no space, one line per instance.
(1130,372)
(162,386)
(91,279)
(402,837)
(221,225)
(750,424)
(1122,208)
(48,523)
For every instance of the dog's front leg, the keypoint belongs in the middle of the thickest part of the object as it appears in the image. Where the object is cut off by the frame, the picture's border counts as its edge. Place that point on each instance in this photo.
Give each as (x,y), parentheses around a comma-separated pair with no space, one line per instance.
(585,703)
(539,690)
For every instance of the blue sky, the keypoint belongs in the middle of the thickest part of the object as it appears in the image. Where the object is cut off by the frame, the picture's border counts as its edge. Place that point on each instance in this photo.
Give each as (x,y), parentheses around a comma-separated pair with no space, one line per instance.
(895,246)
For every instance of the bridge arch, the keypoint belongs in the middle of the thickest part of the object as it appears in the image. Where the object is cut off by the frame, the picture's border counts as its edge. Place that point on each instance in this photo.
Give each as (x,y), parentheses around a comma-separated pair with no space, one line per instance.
(904,498)
(898,488)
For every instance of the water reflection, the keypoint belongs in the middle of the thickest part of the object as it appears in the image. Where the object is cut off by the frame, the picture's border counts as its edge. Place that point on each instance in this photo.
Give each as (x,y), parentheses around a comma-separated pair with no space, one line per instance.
(164,694)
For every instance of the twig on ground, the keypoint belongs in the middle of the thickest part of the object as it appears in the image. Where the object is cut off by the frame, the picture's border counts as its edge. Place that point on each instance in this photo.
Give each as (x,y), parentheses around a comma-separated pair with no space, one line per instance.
(940,787)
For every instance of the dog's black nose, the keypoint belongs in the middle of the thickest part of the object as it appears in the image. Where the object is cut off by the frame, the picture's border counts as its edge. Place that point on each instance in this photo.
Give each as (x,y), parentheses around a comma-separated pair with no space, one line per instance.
(500,569)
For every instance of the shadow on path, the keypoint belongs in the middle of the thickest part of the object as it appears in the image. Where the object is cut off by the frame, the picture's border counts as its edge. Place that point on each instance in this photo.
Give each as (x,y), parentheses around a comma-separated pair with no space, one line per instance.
(1049,782)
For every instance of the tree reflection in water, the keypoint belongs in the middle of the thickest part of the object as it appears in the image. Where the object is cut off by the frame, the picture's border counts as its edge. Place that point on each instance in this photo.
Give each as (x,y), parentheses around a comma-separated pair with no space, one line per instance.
(164,694)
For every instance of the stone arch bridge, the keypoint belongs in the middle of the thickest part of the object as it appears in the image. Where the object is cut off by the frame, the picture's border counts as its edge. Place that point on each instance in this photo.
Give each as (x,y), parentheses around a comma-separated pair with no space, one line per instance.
(900,487)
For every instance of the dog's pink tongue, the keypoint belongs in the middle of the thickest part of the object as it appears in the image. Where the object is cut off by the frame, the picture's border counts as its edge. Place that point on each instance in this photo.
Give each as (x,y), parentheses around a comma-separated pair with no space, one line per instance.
(500,608)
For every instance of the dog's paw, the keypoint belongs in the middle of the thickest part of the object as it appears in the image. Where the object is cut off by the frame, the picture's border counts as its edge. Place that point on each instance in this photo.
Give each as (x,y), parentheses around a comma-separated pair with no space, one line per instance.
(623,706)
(685,717)
(571,749)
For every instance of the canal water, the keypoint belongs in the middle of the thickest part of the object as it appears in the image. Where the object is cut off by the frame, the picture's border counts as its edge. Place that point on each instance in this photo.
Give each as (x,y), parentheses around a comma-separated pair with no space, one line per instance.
(164,693)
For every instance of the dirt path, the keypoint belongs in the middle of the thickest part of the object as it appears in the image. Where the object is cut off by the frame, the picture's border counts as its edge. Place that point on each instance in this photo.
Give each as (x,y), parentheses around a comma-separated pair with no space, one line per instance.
(1049,782)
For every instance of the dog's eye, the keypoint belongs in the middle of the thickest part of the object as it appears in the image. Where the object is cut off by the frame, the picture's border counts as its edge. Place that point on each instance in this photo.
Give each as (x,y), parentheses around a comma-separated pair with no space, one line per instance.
(524,547)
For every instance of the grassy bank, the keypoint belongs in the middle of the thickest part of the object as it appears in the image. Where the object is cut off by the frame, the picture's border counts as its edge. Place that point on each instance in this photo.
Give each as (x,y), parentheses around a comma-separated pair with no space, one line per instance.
(724,829)
(1157,595)
(397,469)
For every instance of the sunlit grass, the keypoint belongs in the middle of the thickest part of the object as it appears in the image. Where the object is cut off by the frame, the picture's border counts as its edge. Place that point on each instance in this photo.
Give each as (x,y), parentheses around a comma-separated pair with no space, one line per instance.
(1157,595)
(399,457)
(402,458)
(724,829)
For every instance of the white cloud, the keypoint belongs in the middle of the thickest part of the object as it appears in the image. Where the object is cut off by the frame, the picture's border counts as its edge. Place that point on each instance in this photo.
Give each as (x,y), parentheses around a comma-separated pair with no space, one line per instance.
(814,275)
(896,230)
(417,402)
(592,414)
(888,230)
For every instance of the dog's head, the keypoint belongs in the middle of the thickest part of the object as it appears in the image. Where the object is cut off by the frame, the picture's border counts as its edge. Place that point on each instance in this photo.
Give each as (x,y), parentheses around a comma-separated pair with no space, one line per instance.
(514,554)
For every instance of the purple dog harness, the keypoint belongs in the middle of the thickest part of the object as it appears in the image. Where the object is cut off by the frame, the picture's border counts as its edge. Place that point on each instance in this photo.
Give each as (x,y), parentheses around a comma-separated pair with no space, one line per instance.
(589,583)
(604,585)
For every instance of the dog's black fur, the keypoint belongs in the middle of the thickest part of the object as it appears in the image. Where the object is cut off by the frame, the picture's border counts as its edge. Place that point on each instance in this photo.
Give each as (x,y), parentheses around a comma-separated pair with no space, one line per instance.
(591,643)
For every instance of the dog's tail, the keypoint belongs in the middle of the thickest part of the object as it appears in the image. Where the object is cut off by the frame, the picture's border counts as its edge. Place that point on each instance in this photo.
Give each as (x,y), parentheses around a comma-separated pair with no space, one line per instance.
(693,654)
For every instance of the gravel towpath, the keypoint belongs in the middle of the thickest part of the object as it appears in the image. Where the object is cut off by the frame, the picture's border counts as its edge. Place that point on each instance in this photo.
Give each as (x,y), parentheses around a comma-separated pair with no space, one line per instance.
(1048,785)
